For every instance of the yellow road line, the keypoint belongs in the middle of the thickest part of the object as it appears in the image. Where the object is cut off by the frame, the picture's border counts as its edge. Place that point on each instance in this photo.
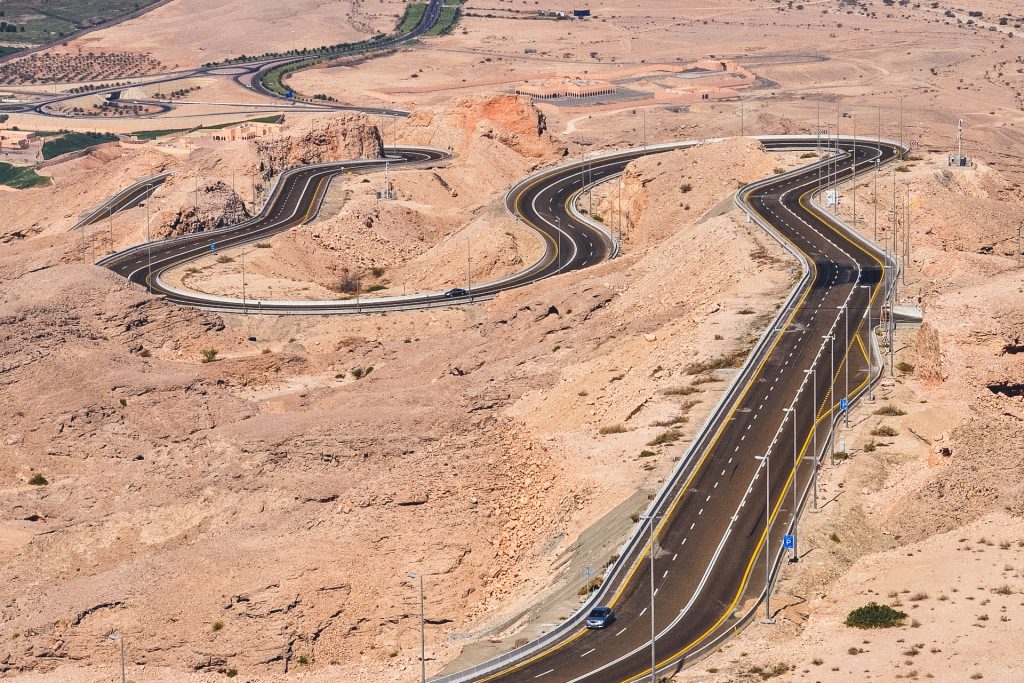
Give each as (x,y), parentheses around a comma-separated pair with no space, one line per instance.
(708,450)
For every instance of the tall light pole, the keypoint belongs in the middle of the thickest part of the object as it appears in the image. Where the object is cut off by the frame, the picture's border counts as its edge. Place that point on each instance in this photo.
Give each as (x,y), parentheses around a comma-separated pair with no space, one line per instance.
(423,633)
(792,414)
(767,532)
(119,638)
(846,364)
(871,331)
(813,373)
(558,250)
(644,113)
(831,338)
(874,196)
(469,270)
(245,311)
(854,115)
(149,252)
(650,519)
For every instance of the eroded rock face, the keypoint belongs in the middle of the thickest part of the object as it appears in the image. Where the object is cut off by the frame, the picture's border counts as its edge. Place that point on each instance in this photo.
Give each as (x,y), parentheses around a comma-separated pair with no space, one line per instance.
(513,121)
(350,136)
(214,205)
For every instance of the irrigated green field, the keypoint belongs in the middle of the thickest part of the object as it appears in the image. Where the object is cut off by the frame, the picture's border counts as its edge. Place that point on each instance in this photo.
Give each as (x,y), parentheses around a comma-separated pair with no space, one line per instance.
(40,21)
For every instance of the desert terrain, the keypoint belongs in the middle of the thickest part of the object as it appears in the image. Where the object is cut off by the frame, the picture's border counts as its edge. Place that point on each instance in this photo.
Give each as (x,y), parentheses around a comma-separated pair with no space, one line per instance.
(260,514)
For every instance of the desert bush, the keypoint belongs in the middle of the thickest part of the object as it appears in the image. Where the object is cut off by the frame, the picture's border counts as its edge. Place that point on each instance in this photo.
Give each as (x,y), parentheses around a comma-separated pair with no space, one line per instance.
(671,422)
(209,355)
(870,446)
(873,615)
(38,479)
(377,271)
(647,454)
(666,437)
(612,429)
(360,373)
(224,258)
(680,391)
(217,626)
(905,367)
(883,430)
(890,410)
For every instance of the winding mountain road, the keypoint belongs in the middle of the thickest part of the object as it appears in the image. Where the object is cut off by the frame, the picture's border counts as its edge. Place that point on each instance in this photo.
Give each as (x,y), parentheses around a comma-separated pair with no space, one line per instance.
(721,517)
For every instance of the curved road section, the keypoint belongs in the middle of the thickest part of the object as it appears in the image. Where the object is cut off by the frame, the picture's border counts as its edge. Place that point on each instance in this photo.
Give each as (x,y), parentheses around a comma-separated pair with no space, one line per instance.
(698,572)
(541,201)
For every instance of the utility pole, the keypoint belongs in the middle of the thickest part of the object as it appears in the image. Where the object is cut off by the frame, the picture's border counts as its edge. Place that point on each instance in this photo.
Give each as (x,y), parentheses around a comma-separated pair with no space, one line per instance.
(469,270)
(767,533)
(234,205)
(650,530)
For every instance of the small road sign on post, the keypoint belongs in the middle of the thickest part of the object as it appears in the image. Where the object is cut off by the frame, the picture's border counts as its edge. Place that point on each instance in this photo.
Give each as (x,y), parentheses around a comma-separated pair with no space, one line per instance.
(844,404)
(788,542)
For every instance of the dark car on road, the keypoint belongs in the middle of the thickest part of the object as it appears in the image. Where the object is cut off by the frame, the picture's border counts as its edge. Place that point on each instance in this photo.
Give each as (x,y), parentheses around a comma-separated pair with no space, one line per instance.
(600,617)
(455,293)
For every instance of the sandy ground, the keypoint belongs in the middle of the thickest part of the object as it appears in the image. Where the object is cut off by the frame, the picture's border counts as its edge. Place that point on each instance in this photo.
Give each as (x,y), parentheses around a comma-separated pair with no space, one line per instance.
(242,456)
(233,28)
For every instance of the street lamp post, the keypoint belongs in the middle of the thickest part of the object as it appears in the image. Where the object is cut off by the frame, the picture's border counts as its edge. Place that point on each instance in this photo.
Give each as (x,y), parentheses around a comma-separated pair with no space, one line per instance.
(871,331)
(846,363)
(792,413)
(813,372)
(558,251)
(117,637)
(650,530)
(767,532)
(831,337)
(423,639)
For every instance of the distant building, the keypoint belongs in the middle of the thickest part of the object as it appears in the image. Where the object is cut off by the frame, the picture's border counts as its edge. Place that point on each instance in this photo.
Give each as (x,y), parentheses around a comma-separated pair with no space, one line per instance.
(566,87)
(242,131)
(16,139)
(580,13)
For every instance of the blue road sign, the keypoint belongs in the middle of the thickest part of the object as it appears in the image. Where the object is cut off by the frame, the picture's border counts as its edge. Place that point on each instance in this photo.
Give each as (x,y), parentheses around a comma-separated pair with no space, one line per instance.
(788,541)
(213,247)
(843,404)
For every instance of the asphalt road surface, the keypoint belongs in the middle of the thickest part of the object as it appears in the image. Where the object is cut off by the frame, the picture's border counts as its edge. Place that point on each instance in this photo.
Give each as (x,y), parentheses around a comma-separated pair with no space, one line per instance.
(712,546)
(131,196)
(721,519)
(570,243)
